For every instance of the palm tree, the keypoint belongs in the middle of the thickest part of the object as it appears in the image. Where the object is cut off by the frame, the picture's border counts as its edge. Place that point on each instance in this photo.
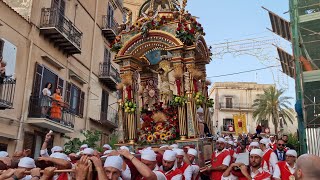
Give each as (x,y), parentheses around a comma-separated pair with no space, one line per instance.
(271,104)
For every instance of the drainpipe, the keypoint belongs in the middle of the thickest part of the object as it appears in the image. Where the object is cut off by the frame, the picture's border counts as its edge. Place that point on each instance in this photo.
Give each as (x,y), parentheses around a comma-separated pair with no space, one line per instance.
(91,62)
(25,95)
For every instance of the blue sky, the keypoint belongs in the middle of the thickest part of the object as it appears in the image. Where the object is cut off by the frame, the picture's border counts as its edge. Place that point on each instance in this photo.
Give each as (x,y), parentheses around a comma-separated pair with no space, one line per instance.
(232,20)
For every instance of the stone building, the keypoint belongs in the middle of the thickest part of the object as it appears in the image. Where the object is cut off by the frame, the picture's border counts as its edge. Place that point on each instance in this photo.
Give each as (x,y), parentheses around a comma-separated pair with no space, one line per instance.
(235,98)
(65,43)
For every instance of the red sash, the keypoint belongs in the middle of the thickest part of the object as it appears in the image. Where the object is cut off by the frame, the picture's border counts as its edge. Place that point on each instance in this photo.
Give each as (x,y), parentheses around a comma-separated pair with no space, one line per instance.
(266,158)
(231,154)
(284,170)
(217,161)
(261,176)
(169,175)
(183,168)
(63,176)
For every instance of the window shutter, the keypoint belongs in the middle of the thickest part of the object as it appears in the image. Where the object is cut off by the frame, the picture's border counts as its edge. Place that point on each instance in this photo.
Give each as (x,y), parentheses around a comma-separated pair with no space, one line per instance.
(1,48)
(68,93)
(38,75)
(81,103)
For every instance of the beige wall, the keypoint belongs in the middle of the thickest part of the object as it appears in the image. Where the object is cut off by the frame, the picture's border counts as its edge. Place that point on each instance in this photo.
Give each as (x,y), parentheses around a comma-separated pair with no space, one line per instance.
(243,93)
(22,31)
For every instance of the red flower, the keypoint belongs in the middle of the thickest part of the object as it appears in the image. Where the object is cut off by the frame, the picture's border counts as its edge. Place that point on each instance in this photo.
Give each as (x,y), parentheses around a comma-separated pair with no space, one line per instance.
(186,29)
(179,29)
(136,139)
(179,25)
(185,24)
(192,31)
(163,17)
(174,136)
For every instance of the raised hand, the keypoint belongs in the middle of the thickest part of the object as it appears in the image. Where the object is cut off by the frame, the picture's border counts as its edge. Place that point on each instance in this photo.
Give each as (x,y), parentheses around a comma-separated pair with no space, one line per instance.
(82,168)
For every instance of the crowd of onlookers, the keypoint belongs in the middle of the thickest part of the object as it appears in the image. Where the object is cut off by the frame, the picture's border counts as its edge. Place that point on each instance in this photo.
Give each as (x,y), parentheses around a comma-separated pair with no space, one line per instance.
(245,157)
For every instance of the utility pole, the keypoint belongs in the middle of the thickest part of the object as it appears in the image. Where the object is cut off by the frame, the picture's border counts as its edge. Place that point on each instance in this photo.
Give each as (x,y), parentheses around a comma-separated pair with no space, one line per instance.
(294,18)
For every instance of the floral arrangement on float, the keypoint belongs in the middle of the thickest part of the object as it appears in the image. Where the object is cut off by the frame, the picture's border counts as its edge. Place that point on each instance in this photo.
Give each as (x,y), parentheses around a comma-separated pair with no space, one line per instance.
(159,127)
(187,29)
(149,22)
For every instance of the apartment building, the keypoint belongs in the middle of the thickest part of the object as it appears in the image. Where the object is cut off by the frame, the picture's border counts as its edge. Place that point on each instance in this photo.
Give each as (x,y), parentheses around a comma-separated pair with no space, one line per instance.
(64,43)
(233,99)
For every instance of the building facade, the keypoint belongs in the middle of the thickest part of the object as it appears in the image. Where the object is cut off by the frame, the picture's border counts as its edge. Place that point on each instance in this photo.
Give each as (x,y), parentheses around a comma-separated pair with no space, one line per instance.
(233,99)
(64,43)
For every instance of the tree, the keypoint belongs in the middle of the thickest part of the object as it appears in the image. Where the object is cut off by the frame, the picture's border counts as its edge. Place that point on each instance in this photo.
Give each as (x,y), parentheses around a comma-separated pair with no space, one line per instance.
(272,104)
(90,138)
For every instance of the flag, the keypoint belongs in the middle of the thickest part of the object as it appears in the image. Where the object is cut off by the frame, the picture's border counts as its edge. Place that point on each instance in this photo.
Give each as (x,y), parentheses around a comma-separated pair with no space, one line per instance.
(240,123)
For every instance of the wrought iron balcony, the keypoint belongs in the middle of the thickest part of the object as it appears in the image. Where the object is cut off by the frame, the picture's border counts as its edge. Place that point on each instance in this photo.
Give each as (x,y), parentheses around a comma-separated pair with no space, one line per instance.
(110,118)
(110,28)
(7,90)
(109,75)
(236,107)
(60,30)
(45,119)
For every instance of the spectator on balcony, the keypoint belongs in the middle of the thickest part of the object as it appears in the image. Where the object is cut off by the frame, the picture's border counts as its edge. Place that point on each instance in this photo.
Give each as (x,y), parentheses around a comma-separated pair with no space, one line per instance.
(57,104)
(46,100)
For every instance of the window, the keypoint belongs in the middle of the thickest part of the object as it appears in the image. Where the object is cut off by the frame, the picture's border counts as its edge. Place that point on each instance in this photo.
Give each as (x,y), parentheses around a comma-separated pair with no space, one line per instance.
(75,97)
(60,4)
(110,14)
(228,123)
(43,76)
(3,147)
(228,102)
(104,101)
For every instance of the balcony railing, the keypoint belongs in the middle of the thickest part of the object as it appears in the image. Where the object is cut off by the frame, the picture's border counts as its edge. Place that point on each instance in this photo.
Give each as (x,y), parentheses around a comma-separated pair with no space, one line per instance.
(54,22)
(110,28)
(109,75)
(58,122)
(110,118)
(235,106)
(7,90)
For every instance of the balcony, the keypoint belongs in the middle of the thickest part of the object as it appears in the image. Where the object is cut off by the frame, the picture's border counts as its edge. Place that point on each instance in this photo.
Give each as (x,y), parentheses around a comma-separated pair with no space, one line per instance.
(60,30)
(64,124)
(236,107)
(110,28)
(7,90)
(109,119)
(109,75)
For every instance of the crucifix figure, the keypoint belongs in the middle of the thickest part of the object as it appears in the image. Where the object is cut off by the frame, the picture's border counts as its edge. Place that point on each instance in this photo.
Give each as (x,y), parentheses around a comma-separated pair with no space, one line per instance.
(165,91)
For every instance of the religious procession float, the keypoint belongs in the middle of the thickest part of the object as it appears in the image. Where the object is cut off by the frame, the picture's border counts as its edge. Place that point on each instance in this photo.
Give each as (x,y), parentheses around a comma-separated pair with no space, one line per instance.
(162,58)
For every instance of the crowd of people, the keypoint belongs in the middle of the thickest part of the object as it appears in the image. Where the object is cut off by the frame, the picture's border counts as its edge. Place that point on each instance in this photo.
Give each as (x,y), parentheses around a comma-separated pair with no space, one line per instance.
(247,157)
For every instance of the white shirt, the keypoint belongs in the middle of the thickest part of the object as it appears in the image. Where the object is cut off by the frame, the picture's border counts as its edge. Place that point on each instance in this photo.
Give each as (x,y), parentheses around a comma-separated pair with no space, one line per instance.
(188,172)
(226,161)
(47,91)
(272,161)
(126,174)
(252,174)
(195,170)
(278,153)
(176,177)
(277,172)
(160,175)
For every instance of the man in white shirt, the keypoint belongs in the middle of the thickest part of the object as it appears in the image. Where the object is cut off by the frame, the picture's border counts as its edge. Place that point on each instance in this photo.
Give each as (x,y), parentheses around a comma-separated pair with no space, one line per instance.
(147,167)
(168,166)
(269,157)
(253,172)
(182,165)
(192,154)
(285,170)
